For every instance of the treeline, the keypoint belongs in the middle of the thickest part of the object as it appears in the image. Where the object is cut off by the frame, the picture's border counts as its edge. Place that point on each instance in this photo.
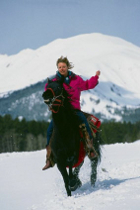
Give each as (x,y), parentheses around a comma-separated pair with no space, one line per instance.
(118,132)
(22,135)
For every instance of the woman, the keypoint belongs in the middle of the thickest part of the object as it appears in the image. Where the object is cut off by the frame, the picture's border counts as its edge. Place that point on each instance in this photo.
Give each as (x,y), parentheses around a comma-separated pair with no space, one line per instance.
(73,84)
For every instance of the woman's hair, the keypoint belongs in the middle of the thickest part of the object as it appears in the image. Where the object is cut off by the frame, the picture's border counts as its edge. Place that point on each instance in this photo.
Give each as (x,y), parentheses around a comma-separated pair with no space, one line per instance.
(66,61)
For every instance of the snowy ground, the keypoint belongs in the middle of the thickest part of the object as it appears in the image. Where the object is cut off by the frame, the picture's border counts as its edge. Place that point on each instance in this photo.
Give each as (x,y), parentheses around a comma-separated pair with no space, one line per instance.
(24,186)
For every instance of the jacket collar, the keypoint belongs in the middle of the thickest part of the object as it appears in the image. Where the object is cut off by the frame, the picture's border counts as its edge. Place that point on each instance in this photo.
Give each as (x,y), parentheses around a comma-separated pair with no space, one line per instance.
(65,79)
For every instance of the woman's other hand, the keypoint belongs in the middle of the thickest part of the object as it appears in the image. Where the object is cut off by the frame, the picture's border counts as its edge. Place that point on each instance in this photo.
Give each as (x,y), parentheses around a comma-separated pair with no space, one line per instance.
(98,73)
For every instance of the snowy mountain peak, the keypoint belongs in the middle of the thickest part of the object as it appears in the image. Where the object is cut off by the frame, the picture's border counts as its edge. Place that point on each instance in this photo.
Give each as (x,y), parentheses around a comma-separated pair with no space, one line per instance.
(117,59)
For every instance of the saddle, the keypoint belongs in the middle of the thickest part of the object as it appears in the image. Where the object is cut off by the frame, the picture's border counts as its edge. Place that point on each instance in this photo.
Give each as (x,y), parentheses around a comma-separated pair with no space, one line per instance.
(94,123)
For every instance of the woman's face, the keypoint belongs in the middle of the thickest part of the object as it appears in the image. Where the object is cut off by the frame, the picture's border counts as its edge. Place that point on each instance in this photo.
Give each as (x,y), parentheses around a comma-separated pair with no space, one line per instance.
(63,69)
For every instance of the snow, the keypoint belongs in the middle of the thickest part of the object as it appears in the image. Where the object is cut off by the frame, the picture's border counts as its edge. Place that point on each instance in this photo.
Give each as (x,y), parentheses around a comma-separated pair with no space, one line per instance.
(24,186)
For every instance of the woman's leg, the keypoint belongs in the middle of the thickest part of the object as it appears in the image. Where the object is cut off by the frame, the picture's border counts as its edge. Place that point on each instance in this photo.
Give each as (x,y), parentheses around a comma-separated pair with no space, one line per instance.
(48,148)
(83,120)
(88,142)
(49,132)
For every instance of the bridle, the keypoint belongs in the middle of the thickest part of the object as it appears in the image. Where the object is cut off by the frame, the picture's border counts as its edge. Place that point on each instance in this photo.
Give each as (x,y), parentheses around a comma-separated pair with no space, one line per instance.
(51,101)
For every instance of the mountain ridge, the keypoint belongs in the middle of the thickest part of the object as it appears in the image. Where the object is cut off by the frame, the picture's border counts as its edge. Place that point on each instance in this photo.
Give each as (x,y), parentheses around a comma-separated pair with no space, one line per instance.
(117,59)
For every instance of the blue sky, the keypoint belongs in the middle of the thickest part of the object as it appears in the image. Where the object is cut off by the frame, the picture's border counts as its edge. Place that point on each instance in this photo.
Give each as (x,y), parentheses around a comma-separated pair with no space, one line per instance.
(34,23)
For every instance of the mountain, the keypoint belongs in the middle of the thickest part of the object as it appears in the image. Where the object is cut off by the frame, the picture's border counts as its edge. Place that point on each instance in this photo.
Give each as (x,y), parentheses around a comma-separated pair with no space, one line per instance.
(117,95)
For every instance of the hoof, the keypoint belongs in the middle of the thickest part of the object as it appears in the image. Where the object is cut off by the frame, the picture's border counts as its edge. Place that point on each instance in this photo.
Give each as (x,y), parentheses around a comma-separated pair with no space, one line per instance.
(75,183)
(93,184)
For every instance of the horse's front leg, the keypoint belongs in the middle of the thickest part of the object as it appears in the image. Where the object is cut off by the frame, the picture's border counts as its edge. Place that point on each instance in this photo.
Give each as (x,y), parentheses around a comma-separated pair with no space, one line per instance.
(63,171)
(77,170)
(75,182)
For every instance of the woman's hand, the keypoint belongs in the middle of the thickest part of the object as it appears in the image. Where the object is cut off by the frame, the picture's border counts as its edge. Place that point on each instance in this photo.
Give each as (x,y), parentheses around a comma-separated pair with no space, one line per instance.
(98,73)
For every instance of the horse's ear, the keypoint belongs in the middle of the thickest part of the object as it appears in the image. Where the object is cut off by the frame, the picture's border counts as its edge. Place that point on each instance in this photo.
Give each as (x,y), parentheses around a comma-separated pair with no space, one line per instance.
(49,81)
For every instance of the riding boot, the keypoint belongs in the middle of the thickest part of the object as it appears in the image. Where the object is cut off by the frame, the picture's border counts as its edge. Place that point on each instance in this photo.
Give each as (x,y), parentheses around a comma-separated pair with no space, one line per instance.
(48,161)
(88,143)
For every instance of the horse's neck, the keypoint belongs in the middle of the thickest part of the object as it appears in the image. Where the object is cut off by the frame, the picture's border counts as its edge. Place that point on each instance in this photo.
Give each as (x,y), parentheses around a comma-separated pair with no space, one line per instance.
(63,118)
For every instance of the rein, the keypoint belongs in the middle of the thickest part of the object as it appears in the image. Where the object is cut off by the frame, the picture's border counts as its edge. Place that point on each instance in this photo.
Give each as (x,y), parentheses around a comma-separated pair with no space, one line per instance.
(55,99)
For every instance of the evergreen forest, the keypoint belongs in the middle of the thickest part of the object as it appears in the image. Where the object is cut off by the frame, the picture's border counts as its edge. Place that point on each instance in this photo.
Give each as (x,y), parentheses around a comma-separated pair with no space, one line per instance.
(21,135)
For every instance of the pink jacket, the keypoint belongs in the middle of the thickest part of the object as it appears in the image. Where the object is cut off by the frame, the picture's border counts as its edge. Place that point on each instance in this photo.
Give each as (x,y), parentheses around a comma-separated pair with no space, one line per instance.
(75,86)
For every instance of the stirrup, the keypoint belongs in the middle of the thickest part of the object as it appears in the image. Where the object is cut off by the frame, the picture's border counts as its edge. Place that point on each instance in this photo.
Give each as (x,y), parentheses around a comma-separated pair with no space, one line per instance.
(92,154)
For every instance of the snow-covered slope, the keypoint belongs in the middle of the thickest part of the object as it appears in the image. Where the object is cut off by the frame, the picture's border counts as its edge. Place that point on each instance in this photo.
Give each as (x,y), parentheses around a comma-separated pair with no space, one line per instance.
(24,186)
(117,60)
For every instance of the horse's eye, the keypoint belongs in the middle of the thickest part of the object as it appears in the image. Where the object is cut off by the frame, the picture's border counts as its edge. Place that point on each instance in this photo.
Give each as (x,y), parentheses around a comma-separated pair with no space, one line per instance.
(48,101)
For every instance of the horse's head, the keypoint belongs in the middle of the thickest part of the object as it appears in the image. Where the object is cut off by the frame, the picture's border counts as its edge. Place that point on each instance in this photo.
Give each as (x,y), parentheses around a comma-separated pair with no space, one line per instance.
(53,96)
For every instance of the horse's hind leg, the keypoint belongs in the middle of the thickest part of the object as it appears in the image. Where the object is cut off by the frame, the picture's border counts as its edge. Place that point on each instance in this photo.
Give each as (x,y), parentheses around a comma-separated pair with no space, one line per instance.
(93,176)
(65,176)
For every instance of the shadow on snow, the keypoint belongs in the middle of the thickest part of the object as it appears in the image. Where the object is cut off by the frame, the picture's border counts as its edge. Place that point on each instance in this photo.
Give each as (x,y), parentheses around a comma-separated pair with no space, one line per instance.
(100,185)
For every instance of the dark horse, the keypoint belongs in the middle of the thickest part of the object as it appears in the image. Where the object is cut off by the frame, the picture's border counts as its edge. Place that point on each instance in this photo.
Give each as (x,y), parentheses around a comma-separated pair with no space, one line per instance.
(65,141)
